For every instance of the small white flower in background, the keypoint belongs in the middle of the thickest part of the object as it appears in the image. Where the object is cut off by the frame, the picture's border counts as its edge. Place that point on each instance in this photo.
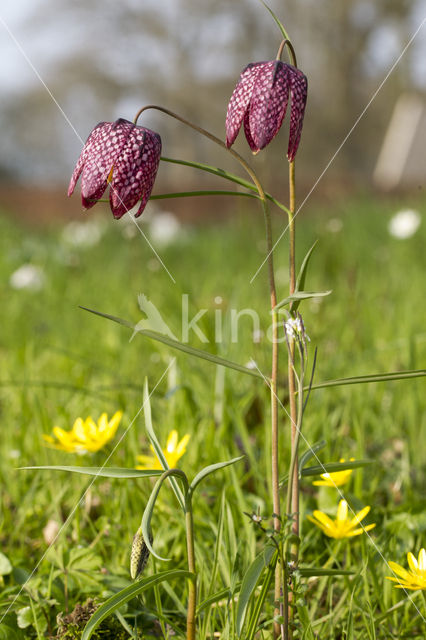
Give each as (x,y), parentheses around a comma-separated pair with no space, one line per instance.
(295,330)
(404,224)
(50,531)
(251,364)
(164,229)
(83,234)
(28,276)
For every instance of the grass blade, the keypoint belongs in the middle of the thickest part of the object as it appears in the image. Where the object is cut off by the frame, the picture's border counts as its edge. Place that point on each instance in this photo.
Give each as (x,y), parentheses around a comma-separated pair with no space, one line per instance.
(310,572)
(123,596)
(301,295)
(175,344)
(331,467)
(375,377)
(156,445)
(250,582)
(103,472)
(211,469)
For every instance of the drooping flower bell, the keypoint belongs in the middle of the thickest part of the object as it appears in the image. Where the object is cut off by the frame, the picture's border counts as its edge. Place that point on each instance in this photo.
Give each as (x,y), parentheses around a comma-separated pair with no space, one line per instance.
(120,154)
(260,101)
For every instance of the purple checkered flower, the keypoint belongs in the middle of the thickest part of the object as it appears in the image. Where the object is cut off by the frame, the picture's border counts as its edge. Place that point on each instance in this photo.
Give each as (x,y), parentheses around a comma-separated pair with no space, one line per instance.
(260,102)
(120,154)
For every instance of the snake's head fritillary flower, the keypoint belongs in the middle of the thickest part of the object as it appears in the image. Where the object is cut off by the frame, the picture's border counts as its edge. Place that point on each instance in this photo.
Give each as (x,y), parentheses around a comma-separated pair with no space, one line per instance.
(335,478)
(86,436)
(120,154)
(260,101)
(413,579)
(342,526)
(173,452)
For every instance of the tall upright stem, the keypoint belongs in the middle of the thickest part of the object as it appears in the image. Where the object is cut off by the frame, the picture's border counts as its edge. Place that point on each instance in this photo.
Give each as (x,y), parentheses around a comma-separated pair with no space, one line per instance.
(274,398)
(192,587)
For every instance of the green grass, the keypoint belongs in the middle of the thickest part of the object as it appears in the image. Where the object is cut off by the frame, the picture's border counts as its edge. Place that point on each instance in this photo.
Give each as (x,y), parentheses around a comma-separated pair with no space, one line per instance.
(58,362)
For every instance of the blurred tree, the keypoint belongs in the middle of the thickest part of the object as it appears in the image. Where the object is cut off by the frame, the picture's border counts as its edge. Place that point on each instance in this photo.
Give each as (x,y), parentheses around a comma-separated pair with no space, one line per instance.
(102,59)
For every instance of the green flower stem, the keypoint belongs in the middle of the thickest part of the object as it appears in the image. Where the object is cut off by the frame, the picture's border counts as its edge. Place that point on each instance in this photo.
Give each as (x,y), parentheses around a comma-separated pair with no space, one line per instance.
(273,299)
(293,482)
(192,587)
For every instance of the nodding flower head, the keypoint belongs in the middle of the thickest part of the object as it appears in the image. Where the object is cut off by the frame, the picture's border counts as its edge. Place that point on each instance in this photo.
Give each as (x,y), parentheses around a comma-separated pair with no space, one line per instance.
(260,102)
(122,155)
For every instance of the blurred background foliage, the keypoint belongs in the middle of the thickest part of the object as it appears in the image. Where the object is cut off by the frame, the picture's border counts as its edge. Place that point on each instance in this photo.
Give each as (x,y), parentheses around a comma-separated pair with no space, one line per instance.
(102,60)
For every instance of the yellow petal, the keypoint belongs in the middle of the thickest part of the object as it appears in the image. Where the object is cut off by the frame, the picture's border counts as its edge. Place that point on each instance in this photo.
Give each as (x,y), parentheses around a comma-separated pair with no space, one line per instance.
(359,516)
(422,560)
(102,423)
(324,519)
(412,562)
(400,571)
(181,448)
(328,532)
(115,421)
(342,511)
(172,441)
(64,437)
(48,439)
(357,532)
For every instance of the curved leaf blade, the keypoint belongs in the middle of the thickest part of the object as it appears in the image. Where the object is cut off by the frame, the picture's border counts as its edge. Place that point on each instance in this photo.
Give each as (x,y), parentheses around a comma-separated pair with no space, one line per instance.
(211,469)
(301,295)
(126,594)
(250,582)
(180,346)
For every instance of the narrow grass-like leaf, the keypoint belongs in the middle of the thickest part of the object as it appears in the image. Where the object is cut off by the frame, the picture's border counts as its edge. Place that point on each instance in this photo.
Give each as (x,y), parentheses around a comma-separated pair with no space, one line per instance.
(103,472)
(193,194)
(156,445)
(260,600)
(310,572)
(250,582)
(301,277)
(180,346)
(123,596)
(311,452)
(216,597)
(224,174)
(374,377)
(331,467)
(301,295)
(149,509)
(277,21)
(211,469)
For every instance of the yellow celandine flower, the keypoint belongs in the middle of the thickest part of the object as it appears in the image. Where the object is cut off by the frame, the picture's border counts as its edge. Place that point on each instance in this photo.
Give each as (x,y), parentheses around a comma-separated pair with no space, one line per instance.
(336,478)
(85,436)
(173,452)
(414,579)
(342,527)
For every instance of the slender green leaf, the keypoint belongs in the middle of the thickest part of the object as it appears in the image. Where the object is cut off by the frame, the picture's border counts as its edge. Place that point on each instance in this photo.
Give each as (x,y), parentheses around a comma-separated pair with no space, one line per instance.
(305,457)
(309,572)
(228,176)
(375,377)
(103,472)
(180,346)
(277,21)
(215,597)
(211,469)
(149,509)
(301,277)
(123,596)
(301,295)
(331,467)
(250,582)
(156,445)
(193,194)
(260,600)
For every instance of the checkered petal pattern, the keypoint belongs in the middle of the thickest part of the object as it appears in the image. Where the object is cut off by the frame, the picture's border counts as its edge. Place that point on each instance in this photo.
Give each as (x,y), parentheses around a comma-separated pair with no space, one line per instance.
(123,154)
(260,100)
(268,102)
(135,171)
(239,102)
(299,94)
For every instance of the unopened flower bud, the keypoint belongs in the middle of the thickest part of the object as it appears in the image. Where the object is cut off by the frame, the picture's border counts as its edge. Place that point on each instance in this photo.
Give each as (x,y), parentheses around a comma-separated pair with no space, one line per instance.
(139,554)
